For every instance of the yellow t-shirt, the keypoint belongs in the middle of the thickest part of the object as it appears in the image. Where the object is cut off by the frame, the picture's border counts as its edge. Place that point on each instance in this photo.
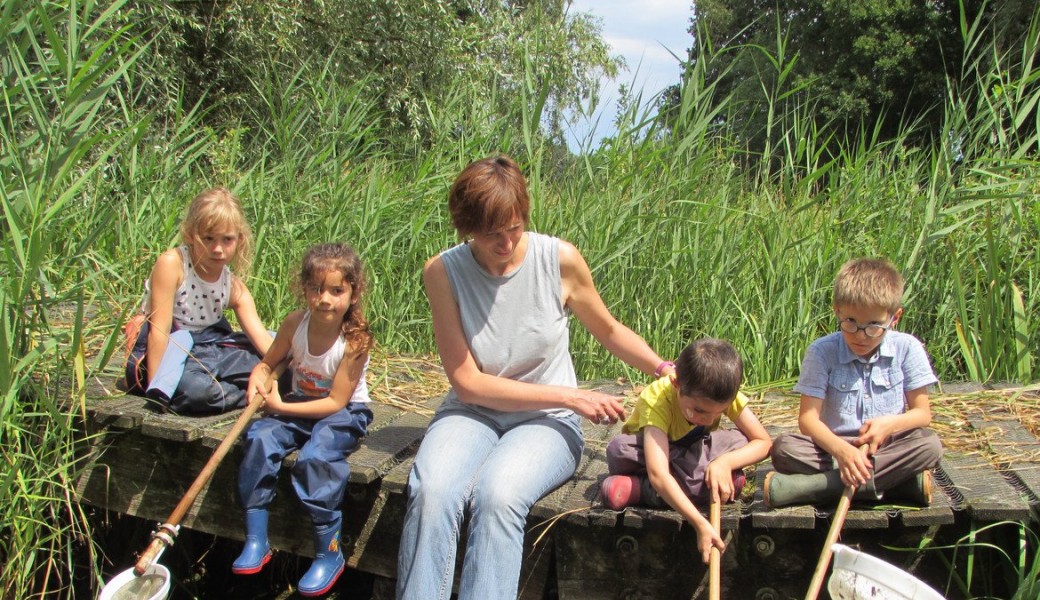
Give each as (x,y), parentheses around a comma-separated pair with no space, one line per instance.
(658,405)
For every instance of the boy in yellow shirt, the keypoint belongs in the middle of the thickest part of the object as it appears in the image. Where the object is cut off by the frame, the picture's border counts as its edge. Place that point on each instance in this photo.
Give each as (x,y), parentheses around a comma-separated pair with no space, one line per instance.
(671,450)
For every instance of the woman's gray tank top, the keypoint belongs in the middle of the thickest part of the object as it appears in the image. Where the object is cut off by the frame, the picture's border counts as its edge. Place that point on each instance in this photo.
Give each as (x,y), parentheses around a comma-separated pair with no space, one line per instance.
(516,325)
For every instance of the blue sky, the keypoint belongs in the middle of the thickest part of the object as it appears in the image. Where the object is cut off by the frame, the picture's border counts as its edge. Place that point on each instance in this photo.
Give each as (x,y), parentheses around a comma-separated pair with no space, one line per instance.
(643,31)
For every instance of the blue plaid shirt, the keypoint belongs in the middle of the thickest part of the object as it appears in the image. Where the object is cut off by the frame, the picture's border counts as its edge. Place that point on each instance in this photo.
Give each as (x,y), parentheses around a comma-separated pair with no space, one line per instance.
(855,390)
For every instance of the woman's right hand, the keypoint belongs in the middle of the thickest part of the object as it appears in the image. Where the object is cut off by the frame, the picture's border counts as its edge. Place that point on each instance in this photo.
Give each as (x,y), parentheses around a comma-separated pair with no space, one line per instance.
(598,407)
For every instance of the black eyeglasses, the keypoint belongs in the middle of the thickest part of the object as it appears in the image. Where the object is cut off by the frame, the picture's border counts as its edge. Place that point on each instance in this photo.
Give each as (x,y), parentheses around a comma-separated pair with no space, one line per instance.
(873,330)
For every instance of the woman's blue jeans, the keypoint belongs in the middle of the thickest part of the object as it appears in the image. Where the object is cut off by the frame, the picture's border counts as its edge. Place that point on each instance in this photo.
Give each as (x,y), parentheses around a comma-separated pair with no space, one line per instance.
(467,465)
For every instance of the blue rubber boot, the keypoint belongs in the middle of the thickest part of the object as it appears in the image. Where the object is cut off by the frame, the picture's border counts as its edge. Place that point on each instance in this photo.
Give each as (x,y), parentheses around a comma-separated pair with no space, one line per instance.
(257,551)
(328,561)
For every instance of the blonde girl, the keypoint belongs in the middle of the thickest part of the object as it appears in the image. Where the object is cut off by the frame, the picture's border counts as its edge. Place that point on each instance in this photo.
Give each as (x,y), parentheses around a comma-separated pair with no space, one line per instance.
(324,416)
(185,354)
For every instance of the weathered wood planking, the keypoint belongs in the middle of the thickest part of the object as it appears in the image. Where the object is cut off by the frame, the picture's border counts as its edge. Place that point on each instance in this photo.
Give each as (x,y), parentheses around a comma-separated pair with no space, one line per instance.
(144,470)
(982,491)
(1009,440)
(144,461)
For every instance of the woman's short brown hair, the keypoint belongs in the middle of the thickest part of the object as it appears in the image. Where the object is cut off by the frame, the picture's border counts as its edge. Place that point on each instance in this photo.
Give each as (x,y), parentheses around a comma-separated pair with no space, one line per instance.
(487,195)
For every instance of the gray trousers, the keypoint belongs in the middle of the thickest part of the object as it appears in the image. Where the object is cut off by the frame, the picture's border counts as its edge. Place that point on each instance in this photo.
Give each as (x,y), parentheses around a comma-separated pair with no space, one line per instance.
(902,456)
(688,458)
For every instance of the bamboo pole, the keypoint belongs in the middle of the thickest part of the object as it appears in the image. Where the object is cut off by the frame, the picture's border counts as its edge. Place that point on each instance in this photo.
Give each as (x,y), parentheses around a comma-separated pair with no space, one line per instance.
(832,536)
(715,562)
(168,530)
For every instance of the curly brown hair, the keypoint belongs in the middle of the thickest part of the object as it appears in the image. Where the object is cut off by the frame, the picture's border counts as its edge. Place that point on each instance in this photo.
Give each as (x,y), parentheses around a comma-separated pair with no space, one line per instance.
(322,259)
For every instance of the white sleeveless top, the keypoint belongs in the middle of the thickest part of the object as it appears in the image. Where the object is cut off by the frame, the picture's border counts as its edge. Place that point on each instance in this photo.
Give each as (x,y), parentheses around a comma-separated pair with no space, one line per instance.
(313,374)
(197,303)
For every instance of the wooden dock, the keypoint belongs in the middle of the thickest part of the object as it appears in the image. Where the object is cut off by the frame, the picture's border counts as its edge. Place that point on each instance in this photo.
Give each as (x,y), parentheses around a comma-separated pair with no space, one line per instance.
(143,461)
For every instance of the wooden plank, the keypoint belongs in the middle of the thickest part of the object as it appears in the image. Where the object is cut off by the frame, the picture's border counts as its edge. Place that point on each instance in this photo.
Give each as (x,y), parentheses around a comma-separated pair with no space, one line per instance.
(144,470)
(396,479)
(214,432)
(378,541)
(864,516)
(657,560)
(960,387)
(1016,445)
(104,384)
(383,415)
(984,492)
(384,448)
(146,477)
(184,428)
(119,412)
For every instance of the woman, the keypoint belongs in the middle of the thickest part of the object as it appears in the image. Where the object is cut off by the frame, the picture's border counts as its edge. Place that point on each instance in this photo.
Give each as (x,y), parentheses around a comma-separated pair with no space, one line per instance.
(508,432)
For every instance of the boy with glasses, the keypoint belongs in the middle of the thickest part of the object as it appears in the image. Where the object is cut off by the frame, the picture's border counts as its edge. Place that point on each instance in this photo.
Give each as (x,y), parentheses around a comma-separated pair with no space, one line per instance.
(865,384)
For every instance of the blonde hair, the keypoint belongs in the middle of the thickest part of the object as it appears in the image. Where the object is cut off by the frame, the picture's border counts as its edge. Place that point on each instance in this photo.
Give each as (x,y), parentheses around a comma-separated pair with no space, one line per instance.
(868,283)
(219,208)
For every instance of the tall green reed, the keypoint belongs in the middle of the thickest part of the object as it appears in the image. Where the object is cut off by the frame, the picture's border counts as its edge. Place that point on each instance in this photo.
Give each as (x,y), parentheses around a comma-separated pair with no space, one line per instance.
(686,241)
(683,239)
(990,222)
(996,560)
(62,67)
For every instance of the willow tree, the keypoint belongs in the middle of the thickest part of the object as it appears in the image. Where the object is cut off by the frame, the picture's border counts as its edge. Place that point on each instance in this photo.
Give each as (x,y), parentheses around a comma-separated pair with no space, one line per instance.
(411,54)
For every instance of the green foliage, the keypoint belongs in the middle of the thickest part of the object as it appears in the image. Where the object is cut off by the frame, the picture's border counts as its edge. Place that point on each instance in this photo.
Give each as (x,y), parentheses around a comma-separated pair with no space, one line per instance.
(997,560)
(62,127)
(407,54)
(855,62)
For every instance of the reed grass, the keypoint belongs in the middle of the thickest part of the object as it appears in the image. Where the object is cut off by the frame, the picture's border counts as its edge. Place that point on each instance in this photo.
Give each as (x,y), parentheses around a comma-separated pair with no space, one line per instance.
(60,134)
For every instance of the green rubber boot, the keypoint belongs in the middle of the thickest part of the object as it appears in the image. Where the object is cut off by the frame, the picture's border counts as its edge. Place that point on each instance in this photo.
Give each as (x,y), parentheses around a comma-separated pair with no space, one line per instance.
(867,493)
(818,488)
(917,489)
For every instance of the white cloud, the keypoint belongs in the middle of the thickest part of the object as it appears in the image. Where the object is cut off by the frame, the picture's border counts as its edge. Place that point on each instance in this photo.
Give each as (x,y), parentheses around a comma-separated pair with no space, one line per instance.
(646,33)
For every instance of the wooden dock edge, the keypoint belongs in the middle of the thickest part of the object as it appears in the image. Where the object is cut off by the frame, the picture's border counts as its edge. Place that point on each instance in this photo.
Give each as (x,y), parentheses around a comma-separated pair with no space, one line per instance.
(141,462)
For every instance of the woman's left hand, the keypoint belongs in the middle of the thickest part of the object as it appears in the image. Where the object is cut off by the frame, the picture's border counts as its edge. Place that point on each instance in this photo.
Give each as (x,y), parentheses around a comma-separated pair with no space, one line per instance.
(598,407)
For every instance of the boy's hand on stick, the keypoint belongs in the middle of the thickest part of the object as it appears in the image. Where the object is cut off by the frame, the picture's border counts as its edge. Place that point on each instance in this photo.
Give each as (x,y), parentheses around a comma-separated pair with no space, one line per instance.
(719,479)
(874,432)
(854,465)
(708,538)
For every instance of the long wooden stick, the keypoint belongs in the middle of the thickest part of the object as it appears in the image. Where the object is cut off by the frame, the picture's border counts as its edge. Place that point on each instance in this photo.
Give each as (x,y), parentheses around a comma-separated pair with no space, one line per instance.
(168,530)
(832,536)
(715,562)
